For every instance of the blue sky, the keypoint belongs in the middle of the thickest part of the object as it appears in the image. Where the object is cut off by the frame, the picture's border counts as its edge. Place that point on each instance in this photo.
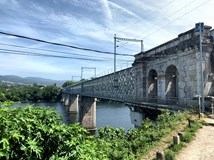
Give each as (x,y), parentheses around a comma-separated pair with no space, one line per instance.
(89,24)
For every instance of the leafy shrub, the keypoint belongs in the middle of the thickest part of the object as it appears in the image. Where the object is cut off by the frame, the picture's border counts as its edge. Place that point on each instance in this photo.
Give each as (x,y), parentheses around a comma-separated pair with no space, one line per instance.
(136,142)
(37,133)
(169,155)
(176,148)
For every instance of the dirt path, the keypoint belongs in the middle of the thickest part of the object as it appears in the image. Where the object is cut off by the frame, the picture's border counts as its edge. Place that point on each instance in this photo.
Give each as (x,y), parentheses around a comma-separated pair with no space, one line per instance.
(202,147)
(165,142)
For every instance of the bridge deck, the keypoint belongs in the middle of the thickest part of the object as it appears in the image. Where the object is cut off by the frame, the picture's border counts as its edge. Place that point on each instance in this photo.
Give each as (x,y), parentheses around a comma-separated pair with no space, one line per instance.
(155,106)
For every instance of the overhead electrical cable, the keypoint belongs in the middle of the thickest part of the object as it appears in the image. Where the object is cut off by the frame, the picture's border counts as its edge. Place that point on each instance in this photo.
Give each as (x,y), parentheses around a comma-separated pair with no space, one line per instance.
(165,19)
(60,44)
(8,51)
(146,16)
(47,50)
(158,23)
(44,55)
(176,19)
(149,14)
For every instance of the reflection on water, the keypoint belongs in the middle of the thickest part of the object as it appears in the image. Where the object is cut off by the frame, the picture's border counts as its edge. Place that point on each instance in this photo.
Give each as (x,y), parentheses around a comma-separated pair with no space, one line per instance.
(113,114)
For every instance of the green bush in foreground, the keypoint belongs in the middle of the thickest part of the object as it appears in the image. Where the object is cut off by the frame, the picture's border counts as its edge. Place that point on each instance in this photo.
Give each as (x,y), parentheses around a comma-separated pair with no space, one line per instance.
(37,133)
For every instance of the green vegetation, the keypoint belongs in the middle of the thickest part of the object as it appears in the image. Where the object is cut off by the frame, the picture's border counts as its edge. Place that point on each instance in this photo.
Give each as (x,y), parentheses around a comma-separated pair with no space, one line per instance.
(189,134)
(33,93)
(137,142)
(37,133)
(68,83)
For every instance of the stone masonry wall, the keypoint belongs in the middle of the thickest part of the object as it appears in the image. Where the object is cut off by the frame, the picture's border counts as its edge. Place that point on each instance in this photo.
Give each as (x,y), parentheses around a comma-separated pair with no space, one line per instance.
(183,54)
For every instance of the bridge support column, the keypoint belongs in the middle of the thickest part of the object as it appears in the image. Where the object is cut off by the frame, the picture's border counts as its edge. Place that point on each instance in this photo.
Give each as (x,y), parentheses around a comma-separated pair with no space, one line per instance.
(137,118)
(66,101)
(73,106)
(87,113)
(63,98)
(161,88)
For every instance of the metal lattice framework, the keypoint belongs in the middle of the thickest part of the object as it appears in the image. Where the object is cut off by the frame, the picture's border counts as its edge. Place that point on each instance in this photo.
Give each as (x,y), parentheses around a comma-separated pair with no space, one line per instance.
(117,86)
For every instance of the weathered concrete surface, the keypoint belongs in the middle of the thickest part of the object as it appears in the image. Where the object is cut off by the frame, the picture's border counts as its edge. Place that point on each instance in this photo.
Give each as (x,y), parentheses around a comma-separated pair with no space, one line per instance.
(73,106)
(87,113)
(202,147)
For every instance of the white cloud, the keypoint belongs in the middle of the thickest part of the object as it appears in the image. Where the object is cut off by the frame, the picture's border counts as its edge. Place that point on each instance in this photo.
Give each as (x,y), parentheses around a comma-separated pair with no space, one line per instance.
(92,24)
(106,9)
(123,9)
(15,63)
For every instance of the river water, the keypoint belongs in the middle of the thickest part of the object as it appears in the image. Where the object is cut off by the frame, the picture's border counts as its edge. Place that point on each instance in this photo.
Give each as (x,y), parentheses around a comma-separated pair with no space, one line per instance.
(108,113)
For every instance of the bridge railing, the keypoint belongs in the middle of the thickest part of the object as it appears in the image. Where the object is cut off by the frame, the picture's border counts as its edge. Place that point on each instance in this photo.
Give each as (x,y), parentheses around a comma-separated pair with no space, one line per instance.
(117,86)
(185,103)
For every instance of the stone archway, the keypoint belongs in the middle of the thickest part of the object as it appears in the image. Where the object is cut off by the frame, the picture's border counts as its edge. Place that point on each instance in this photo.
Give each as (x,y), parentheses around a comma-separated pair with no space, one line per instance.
(152,85)
(171,76)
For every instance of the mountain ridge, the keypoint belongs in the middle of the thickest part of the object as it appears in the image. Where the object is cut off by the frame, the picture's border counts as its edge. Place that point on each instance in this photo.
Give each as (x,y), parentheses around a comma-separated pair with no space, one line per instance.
(29,80)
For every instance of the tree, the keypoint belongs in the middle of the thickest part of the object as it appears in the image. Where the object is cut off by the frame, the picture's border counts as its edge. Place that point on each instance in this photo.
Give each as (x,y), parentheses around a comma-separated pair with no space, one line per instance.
(68,83)
(2,97)
(51,93)
(33,93)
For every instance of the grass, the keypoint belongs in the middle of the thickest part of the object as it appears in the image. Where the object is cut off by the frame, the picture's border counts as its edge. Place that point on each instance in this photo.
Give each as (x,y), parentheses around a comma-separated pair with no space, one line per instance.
(189,134)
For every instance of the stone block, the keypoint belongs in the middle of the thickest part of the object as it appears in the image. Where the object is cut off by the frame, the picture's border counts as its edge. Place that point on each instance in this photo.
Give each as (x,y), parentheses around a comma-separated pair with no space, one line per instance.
(176,139)
(160,155)
(201,115)
(181,135)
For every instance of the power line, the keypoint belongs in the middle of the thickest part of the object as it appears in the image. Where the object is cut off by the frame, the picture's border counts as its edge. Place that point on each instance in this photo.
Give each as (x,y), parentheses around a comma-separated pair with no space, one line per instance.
(44,55)
(170,21)
(176,11)
(149,14)
(47,50)
(177,18)
(60,44)
(16,52)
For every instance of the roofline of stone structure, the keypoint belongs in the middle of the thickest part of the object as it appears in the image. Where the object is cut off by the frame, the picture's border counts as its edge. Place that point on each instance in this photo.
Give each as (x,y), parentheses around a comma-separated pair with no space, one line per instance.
(170,41)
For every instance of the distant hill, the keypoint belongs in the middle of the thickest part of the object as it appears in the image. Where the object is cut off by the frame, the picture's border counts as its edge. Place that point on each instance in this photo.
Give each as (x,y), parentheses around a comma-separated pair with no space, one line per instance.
(29,80)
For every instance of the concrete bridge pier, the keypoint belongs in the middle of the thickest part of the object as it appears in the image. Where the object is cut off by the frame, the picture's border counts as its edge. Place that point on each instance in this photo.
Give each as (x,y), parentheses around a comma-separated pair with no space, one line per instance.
(66,99)
(73,106)
(87,113)
(63,98)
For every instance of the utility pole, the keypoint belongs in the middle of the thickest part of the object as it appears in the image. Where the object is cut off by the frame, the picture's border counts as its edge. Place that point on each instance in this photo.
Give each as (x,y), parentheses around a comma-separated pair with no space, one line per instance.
(115,50)
(199,27)
(123,39)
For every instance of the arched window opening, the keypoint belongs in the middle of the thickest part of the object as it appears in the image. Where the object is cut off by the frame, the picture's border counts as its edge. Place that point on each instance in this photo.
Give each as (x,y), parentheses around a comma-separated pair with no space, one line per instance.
(152,86)
(171,82)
